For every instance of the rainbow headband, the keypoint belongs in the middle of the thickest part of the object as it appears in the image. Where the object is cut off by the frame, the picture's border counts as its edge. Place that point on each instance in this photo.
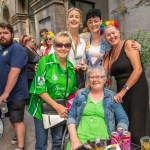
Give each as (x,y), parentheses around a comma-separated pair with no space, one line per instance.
(45,37)
(107,23)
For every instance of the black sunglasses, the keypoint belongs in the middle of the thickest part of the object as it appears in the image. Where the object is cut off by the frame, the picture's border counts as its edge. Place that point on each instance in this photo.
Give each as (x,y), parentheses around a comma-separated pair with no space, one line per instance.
(48,39)
(60,45)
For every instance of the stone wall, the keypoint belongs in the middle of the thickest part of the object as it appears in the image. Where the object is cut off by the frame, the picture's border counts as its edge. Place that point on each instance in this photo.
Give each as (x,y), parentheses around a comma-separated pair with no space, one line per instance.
(132,15)
(48,14)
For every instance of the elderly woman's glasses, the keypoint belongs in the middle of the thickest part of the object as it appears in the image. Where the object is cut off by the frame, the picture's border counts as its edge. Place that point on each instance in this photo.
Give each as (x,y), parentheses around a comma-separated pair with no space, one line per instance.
(60,45)
(96,77)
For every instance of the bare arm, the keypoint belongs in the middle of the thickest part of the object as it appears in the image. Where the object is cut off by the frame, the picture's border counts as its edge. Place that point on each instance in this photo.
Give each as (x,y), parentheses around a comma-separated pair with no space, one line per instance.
(134,58)
(12,79)
(106,63)
(75,142)
(62,111)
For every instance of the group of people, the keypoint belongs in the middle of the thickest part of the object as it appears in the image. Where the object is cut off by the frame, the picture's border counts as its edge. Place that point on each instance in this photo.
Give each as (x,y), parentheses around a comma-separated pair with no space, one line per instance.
(70,62)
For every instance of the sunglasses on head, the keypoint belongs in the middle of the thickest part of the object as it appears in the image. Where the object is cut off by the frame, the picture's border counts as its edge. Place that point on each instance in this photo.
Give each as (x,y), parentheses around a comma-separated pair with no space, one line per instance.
(60,45)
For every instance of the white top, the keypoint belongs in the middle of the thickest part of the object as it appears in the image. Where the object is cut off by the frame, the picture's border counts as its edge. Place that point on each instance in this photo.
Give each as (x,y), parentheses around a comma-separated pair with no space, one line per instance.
(94,53)
(41,50)
(80,54)
(52,50)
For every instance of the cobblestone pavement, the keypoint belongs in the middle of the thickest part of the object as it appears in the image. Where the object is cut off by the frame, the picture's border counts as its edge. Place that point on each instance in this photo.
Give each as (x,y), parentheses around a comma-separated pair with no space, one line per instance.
(5,142)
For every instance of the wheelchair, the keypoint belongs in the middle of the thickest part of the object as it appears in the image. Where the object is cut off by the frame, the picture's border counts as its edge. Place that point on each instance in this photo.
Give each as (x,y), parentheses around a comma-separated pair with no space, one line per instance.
(65,139)
(1,125)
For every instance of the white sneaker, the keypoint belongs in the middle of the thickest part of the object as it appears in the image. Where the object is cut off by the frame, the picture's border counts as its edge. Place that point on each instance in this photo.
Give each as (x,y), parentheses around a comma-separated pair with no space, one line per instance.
(14,140)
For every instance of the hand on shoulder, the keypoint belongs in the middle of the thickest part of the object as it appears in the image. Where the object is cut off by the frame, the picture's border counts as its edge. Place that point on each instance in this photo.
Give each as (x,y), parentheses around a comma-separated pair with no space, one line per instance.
(131,44)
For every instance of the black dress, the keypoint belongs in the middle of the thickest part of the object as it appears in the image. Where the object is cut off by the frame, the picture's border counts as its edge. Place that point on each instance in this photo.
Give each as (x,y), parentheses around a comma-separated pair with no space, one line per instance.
(136,100)
(33,59)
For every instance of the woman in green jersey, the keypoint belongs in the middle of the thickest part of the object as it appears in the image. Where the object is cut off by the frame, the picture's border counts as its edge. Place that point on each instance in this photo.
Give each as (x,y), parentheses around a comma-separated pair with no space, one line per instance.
(55,78)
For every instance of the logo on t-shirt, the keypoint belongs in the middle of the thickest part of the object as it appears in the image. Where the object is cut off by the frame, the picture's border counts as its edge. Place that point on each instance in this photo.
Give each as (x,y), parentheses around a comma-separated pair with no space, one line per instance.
(41,80)
(54,77)
(5,53)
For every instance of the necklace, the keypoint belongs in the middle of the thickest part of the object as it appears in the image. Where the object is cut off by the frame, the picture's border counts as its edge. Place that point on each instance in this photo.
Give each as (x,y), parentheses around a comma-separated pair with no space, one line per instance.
(114,55)
(75,44)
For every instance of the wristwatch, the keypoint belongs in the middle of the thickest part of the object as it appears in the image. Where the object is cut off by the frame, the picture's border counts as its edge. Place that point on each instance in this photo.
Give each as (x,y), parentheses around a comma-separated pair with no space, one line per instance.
(126,87)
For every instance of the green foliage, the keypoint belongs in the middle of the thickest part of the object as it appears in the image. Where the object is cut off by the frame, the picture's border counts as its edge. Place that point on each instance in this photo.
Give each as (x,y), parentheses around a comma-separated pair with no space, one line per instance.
(144,39)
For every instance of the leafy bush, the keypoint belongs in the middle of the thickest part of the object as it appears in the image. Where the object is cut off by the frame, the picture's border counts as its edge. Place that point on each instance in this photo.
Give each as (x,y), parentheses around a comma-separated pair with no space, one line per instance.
(144,39)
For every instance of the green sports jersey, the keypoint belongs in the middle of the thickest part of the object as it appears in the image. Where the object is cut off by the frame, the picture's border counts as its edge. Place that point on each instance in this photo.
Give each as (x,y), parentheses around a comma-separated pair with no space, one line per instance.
(51,78)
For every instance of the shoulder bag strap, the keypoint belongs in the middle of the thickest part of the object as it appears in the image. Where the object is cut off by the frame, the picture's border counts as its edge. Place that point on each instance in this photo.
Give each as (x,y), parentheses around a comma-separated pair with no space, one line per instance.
(66,85)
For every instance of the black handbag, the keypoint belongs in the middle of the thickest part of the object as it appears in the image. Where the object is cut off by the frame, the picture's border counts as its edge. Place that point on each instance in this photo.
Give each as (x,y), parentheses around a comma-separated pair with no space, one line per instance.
(49,109)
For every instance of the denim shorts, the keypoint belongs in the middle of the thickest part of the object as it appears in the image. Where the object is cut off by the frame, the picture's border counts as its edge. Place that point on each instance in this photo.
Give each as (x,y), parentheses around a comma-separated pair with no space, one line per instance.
(16,110)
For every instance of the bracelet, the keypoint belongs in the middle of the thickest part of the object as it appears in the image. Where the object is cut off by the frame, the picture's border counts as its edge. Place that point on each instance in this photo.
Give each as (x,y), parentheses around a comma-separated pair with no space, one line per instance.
(126,87)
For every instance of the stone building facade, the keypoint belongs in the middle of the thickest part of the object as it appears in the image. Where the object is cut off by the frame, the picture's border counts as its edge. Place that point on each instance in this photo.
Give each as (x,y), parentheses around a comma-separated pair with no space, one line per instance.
(29,16)
(132,15)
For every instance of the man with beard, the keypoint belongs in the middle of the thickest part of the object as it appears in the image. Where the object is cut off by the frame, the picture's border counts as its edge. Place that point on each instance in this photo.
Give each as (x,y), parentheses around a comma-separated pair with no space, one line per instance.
(13,80)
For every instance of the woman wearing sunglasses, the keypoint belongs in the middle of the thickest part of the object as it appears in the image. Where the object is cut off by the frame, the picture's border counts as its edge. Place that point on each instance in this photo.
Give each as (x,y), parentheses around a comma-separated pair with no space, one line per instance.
(47,39)
(77,52)
(54,79)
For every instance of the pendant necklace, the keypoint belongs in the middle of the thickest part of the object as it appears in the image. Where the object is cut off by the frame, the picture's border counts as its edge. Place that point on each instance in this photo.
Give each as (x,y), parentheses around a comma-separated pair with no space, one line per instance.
(113,57)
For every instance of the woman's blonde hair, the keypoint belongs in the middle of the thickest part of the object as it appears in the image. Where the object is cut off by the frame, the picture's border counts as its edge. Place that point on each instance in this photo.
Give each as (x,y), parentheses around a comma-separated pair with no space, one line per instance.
(63,34)
(75,9)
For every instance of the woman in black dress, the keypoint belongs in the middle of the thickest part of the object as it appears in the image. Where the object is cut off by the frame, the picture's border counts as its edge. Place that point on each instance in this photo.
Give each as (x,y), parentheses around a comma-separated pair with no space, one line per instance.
(124,63)
(28,42)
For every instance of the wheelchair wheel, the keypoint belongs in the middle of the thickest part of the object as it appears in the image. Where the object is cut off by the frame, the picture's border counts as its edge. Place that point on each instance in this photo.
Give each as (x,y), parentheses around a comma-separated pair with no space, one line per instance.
(65,139)
(1,128)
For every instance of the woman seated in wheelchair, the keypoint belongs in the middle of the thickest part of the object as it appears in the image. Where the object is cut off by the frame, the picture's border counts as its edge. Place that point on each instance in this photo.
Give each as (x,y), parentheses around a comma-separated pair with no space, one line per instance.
(94,112)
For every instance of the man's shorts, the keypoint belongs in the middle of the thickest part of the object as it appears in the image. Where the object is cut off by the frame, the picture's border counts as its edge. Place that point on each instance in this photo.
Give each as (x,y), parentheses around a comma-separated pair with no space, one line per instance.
(16,110)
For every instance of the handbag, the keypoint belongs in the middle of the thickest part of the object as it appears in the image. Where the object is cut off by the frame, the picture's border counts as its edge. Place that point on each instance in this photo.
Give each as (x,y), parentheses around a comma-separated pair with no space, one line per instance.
(50,116)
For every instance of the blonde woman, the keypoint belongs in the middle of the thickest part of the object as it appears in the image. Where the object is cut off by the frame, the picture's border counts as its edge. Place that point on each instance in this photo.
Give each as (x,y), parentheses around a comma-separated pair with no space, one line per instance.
(77,52)
(50,83)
